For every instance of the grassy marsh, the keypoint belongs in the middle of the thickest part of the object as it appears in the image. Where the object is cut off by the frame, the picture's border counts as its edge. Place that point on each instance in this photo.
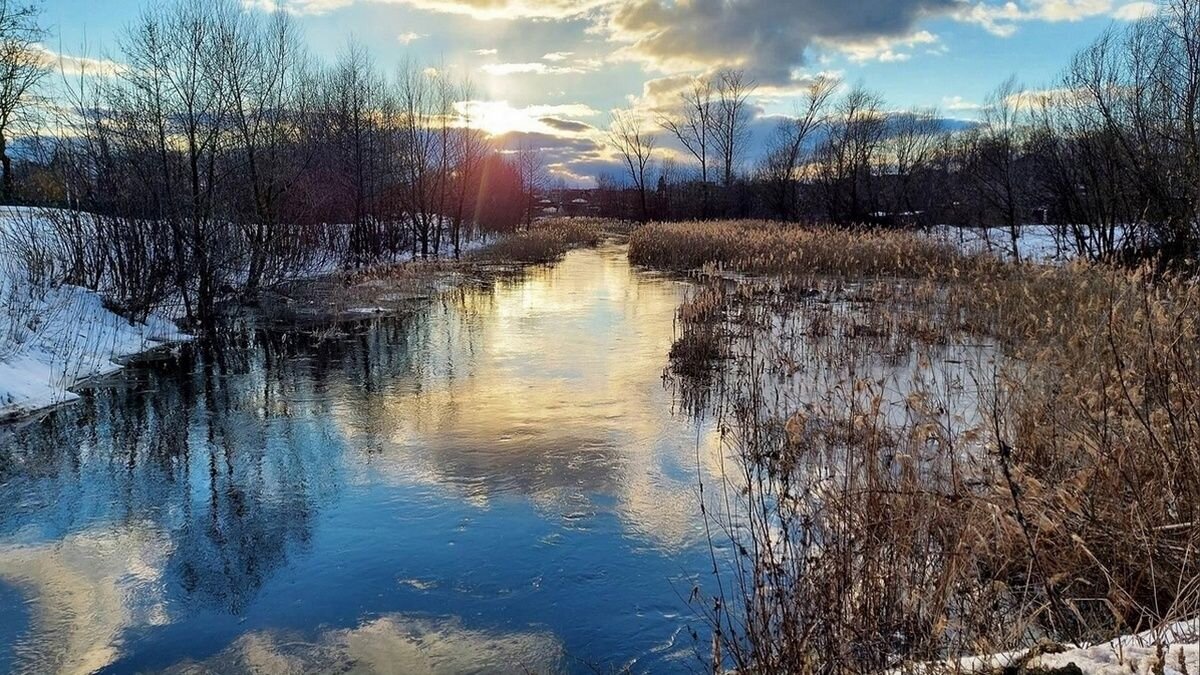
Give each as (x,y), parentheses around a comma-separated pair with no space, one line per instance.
(936,454)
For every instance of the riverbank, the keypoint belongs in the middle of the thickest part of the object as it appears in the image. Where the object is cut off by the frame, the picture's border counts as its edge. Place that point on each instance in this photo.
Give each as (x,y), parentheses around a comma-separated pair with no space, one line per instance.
(66,336)
(54,337)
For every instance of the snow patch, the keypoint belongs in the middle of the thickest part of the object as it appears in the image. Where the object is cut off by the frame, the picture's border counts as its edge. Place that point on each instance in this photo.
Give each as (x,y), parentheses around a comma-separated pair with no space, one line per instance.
(66,336)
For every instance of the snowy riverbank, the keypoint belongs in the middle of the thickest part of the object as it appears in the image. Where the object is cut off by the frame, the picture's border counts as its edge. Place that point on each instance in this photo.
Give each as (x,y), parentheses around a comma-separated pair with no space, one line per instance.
(64,337)
(1173,650)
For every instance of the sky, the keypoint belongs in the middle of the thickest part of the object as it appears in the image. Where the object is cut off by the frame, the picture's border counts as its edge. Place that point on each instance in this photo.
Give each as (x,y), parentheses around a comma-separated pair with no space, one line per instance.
(549,72)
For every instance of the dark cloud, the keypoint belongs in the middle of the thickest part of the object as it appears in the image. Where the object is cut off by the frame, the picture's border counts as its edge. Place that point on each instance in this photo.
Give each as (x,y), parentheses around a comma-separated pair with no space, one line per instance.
(566,125)
(542,142)
(768,38)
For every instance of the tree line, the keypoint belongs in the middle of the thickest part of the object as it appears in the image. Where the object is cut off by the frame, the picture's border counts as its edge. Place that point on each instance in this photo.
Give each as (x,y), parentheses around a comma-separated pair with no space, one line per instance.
(1109,154)
(218,155)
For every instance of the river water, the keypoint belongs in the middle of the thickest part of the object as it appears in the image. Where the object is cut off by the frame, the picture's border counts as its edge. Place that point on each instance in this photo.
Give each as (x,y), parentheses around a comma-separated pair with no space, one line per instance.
(498,481)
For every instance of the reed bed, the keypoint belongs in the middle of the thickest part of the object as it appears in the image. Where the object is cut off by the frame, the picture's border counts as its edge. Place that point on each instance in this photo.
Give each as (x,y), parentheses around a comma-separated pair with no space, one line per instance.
(546,241)
(929,465)
(757,247)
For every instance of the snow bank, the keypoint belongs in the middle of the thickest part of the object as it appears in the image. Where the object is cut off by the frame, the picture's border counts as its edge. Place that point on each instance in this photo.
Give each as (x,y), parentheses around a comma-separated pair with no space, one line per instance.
(63,337)
(1173,650)
(53,336)
(1035,242)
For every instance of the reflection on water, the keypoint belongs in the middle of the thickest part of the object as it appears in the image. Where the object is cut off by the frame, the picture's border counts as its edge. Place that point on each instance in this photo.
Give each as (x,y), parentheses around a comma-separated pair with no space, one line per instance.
(494,482)
(392,643)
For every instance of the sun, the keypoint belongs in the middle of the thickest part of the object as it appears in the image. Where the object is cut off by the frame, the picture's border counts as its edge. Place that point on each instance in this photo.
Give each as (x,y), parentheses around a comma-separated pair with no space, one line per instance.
(497,118)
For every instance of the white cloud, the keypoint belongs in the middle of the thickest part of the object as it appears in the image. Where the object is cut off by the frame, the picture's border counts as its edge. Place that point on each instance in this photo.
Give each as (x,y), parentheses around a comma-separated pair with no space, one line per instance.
(78,65)
(1002,19)
(499,117)
(1136,10)
(885,49)
(410,37)
(485,52)
(959,104)
(478,9)
(533,68)
(557,56)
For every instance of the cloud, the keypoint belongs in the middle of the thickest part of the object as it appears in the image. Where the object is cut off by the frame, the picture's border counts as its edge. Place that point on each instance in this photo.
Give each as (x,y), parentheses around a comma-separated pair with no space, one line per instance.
(410,37)
(533,68)
(662,94)
(768,38)
(477,9)
(566,125)
(557,56)
(78,65)
(1136,10)
(883,49)
(500,117)
(485,52)
(959,104)
(1002,19)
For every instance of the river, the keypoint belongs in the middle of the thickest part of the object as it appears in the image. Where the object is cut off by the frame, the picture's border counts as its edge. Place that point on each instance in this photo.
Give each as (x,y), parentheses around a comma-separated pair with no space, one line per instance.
(499,480)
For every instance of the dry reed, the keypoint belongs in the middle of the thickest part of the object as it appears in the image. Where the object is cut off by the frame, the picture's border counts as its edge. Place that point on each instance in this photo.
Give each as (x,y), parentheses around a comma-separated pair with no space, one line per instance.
(938,454)
(546,241)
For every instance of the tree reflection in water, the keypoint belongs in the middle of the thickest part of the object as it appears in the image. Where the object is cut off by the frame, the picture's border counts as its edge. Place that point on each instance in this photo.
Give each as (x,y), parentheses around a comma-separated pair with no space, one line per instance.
(504,455)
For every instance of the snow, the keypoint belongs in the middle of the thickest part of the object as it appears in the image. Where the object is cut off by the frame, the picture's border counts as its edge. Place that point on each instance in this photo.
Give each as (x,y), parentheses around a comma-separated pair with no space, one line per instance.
(1038,243)
(64,337)
(52,336)
(1035,242)
(1172,650)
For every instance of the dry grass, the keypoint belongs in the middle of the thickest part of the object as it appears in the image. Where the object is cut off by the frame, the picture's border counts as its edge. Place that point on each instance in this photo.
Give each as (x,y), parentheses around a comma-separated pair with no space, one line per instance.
(545,242)
(904,495)
(756,247)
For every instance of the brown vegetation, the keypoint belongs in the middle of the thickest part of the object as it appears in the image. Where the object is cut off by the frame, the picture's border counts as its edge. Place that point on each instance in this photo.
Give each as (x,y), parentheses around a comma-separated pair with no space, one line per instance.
(545,241)
(761,247)
(961,461)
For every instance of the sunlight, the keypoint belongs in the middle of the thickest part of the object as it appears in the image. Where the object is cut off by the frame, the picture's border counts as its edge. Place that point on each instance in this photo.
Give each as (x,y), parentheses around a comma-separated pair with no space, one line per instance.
(498,117)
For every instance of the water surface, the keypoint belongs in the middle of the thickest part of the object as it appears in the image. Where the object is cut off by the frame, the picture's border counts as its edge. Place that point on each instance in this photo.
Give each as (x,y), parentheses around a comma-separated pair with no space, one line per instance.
(498,481)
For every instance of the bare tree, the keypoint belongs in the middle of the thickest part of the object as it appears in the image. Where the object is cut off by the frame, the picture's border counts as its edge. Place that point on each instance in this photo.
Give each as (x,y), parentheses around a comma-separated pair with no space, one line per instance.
(636,146)
(22,67)
(733,91)
(470,150)
(787,151)
(915,137)
(531,167)
(849,156)
(993,157)
(263,67)
(692,124)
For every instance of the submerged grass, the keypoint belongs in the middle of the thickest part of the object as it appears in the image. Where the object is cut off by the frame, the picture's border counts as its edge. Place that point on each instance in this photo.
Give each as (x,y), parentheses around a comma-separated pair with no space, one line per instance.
(937,454)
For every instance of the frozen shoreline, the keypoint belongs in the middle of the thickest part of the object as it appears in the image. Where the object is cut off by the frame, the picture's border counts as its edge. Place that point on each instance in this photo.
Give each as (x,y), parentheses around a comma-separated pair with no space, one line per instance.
(1137,654)
(66,337)
(54,337)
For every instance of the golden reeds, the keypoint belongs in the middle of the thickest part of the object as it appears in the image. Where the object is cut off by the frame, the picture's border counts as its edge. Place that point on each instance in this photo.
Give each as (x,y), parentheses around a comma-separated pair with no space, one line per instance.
(940,454)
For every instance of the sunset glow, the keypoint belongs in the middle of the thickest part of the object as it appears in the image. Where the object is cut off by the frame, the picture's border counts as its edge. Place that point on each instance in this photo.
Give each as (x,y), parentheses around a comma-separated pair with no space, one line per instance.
(547,74)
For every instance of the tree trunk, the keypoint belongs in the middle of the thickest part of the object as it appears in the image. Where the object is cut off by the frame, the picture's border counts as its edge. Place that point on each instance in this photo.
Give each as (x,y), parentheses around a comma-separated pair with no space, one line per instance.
(6,181)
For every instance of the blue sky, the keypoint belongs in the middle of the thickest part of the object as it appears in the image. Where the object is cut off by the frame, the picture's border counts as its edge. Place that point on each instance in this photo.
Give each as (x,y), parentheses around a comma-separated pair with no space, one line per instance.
(576,60)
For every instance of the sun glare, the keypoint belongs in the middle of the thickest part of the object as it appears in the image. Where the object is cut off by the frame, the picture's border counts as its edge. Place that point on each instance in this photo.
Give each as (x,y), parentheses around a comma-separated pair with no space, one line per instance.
(498,117)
